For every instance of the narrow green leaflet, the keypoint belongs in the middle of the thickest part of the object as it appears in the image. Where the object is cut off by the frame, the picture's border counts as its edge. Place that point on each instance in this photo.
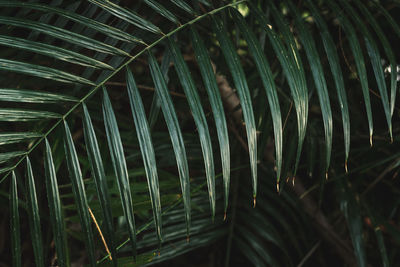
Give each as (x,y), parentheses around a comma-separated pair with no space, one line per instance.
(52,51)
(207,73)
(12,138)
(288,62)
(120,169)
(56,214)
(204,2)
(351,211)
(14,223)
(240,82)
(388,51)
(96,166)
(90,23)
(34,217)
(373,52)
(268,82)
(42,72)
(297,80)
(379,236)
(199,118)
(146,147)
(175,134)
(25,115)
(319,80)
(63,34)
(155,104)
(127,15)
(160,9)
(10,155)
(256,244)
(79,192)
(388,17)
(360,64)
(381,245)
(183,5)
(333,59)
(28,96)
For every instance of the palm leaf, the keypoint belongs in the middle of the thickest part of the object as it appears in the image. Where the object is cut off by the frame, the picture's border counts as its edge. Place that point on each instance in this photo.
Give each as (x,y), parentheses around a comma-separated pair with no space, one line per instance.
(97,169)
(175,134)
(199,118)
(360,64)
(14,223)
(120,169)
(146,147)
(240,82)
(79,192)
(269,85)
(56,215)
(208,76)
(34,217)
(58,55)
(334,63)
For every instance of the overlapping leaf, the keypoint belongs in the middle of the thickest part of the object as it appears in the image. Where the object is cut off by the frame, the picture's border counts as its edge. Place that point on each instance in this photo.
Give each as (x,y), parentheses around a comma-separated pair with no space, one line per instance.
(146,147)
(175,134)
(239,79)
(199,118)
(120,169)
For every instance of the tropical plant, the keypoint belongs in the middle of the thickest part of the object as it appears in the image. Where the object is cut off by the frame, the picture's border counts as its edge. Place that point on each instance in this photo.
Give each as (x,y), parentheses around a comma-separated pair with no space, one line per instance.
(137,131)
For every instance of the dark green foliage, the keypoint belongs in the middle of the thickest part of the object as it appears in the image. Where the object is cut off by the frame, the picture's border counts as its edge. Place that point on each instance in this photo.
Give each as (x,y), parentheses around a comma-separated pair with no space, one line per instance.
(241,85)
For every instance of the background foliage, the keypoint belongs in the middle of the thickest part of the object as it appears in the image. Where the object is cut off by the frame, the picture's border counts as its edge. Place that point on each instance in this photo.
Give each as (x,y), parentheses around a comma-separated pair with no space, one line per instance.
(199,133)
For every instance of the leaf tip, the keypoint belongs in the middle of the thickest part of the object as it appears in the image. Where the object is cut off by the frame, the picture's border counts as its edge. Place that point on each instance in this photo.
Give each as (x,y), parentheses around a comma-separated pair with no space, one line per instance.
(345,166)
(254,201)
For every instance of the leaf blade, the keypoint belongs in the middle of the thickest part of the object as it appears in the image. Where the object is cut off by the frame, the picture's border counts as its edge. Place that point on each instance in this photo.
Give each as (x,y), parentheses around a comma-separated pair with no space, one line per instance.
(334,62)
(175,135)
(319,80)
(119,165)
(52,51)
(199,118)
(56,215)
(79,192)
(93,24)
(127,15)
(146,147)
(96,165)
(14,223)
(63,34)
(11,138)
(160,9)
(375,58)
(27,96)
(360,63)
(211,86)
(34,217)
(244,95)
(42,72)
(25,115)
(268,82)
(294,75)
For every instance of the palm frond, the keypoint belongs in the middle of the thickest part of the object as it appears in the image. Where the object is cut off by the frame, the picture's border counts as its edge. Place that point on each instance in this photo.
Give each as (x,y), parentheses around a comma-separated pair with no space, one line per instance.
(57,57)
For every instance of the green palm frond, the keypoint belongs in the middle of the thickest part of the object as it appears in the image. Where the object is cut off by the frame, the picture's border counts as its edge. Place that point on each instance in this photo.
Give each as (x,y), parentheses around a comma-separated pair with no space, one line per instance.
(70,70)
